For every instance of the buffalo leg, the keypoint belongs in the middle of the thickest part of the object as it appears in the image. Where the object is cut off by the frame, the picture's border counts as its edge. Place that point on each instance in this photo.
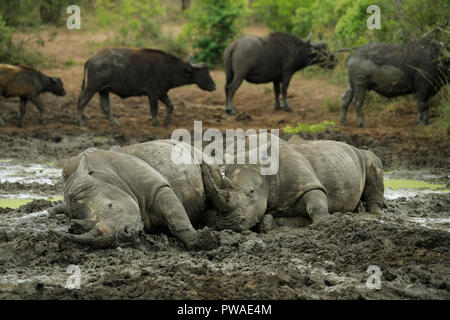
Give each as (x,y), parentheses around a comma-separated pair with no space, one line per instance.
(346,99)
(2,123)
(85,96)
(170,208)
(230,90)
(360,95)
(154,110)
(104,104)
(276,90)
(285,84)
(23,110)
(40,106)
(423,119)
(315,203)
(169,105)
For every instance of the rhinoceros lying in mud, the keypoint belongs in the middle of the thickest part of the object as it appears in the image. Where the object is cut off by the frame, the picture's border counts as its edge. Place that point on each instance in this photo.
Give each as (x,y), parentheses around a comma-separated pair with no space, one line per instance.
(315,178)
(115,195)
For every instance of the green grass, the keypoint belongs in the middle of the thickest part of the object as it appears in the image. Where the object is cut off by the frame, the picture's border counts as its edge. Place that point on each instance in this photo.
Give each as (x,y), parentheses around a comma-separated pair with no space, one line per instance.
(396,184)
(311,128)
(16,203)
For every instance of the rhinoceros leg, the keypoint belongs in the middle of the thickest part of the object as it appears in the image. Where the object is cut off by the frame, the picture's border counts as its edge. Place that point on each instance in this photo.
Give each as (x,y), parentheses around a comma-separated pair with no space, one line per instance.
(169,105)
(170,208)
(346,99)
(315,203)
(373,193)
(59,208)
(104,104)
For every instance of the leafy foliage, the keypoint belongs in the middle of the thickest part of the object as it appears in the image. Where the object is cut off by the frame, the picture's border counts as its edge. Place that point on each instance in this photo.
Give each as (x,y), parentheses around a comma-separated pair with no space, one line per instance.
(345,20)
(134,19)
(212,25)
(12,52)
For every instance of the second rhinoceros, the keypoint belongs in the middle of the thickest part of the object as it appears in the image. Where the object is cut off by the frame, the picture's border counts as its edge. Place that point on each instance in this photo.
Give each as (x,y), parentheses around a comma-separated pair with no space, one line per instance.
(115,195)
(315,178)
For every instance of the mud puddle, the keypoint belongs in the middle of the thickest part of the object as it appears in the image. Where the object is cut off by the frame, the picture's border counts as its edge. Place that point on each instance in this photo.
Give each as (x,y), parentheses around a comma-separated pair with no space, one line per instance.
(22,182)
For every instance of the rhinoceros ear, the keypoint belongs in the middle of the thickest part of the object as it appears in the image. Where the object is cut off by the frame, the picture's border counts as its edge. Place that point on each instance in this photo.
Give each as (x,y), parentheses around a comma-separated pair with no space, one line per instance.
(83,166)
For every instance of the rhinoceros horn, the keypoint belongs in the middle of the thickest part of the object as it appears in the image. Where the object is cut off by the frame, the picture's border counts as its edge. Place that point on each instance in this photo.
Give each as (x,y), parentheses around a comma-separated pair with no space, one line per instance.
(91,238)
(220,198)
(308,39)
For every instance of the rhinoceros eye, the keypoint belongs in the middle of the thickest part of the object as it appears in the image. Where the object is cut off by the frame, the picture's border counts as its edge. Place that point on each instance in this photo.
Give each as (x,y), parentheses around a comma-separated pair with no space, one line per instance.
(110,206)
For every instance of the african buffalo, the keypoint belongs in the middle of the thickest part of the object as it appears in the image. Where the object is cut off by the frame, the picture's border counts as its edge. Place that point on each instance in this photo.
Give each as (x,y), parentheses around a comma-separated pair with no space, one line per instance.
(315,178)
(394,70)
(139,72)
(274,58)
(27,83)
(115,195)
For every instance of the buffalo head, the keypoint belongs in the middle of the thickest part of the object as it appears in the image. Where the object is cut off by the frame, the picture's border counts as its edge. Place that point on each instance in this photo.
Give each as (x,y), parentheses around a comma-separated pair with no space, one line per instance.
(54,85)
(200,76)
(319,54)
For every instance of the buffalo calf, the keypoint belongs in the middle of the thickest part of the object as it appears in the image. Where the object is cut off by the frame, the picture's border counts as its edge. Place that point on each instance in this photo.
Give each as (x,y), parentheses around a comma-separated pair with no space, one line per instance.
(27,83)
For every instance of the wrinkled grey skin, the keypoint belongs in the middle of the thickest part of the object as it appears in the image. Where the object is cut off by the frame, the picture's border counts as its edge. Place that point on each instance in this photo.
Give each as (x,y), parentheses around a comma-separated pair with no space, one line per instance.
(115,195)
(28,83)
(139,72)
(274,58)
(394,70)
(315,178)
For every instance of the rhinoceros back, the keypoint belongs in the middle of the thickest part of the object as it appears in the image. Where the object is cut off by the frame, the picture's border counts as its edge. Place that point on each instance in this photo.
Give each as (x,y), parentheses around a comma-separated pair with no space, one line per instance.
(185,179)
(340,169)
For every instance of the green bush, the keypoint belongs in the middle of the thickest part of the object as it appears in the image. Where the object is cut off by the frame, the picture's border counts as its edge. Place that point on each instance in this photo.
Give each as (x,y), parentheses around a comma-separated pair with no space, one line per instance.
(12,52)
(135,20)
(346,20)
(212,25)
(400,21)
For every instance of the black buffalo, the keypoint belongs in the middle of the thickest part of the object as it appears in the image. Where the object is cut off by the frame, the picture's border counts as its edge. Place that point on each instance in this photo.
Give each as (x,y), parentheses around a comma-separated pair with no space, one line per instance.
(394,70)
(139,72)
(274,58)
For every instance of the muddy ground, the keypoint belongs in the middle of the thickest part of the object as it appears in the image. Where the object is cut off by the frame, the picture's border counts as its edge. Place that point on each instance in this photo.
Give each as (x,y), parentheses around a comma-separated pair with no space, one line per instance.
(294,261)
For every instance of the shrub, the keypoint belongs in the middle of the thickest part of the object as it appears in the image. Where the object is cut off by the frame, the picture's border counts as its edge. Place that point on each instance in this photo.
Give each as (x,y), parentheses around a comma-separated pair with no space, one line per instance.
(133,19)
(212,25)
(12,52)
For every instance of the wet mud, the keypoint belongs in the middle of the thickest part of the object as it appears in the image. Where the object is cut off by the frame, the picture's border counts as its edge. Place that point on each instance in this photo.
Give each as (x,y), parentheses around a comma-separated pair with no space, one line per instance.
(327,260)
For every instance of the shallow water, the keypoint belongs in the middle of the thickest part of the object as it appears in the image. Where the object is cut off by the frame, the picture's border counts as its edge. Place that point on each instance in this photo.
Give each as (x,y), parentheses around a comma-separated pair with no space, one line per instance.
(13,171)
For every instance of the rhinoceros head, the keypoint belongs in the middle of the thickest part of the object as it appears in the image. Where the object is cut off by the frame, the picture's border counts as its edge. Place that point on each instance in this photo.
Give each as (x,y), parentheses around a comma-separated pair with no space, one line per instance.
(108,215)
(240,198)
